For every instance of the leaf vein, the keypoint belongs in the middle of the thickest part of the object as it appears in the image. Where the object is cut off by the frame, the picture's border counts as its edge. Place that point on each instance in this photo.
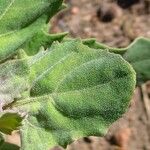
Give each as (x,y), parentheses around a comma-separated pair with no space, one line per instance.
(7,8)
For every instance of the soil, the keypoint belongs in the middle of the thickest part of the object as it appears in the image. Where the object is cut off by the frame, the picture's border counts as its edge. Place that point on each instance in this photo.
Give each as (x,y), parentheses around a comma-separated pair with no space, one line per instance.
(109,21)
(116,23)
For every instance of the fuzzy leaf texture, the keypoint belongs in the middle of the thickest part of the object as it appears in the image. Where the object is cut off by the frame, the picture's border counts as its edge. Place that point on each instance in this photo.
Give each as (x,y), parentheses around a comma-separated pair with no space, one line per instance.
(21,20)
(71,91)
(137,54)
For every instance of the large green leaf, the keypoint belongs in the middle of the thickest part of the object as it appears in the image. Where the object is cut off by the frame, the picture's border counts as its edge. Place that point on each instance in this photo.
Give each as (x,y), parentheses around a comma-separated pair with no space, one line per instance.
(75,91)
(137,54)
(20,20)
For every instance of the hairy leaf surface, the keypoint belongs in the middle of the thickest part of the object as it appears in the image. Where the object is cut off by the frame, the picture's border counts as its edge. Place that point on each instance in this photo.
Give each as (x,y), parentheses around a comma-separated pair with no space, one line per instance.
(20,20)
(75,91)
(10,122)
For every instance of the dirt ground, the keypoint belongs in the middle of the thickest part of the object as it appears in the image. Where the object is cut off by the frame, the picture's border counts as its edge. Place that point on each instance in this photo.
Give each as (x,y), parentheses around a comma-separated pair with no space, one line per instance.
(116,23)
(105,20)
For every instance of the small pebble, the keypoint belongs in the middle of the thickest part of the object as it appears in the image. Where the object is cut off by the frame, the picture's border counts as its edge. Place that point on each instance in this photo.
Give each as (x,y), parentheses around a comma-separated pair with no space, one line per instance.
(122,137)
(75,10)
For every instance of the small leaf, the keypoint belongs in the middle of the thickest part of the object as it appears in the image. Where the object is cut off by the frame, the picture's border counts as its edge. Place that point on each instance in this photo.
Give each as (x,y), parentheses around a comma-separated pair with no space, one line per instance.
(10,122)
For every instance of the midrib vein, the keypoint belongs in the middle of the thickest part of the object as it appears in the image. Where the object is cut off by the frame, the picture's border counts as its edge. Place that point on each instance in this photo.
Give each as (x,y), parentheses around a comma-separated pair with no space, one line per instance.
(56,63)
(47,97)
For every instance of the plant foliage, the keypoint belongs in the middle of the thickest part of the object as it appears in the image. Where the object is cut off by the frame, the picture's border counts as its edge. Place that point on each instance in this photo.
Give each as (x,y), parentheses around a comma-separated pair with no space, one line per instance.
(65,90)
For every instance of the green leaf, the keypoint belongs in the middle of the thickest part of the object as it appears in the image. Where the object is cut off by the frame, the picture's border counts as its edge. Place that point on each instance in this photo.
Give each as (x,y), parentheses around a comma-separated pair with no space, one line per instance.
(21,20)
(75,91)
(138,55)
(10,122)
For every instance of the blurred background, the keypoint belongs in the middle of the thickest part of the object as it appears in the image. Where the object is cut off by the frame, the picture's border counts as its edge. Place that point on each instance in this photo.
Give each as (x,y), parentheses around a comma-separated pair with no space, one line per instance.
(113,22)
(116,23)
